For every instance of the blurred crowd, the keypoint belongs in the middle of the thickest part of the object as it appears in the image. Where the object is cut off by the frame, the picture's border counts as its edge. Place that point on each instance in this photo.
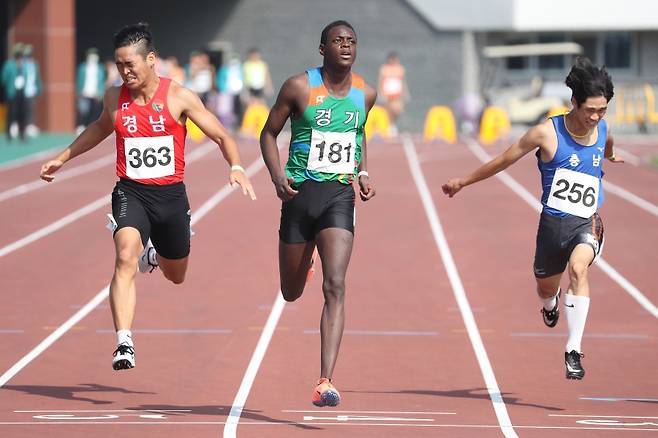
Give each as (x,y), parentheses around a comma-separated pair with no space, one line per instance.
(224,83)
(21,84)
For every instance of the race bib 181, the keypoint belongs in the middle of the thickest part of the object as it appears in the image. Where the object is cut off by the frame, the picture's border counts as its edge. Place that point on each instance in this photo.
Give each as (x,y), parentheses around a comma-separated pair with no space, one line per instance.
(574,193)
(332,152)
(149,157)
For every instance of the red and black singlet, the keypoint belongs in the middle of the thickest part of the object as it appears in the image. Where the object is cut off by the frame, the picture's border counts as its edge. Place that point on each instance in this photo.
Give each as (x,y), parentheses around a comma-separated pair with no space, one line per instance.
(150,142)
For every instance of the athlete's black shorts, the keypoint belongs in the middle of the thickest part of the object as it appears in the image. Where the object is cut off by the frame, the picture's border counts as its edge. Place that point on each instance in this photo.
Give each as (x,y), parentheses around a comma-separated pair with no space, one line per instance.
(159,212)
(318,205)
(558,236)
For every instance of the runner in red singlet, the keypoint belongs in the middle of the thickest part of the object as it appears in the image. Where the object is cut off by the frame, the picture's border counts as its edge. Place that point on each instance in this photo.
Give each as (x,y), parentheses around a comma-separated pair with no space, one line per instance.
(151,213)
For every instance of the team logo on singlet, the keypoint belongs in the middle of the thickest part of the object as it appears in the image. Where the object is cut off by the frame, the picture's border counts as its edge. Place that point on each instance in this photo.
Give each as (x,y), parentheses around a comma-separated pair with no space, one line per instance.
(158,106)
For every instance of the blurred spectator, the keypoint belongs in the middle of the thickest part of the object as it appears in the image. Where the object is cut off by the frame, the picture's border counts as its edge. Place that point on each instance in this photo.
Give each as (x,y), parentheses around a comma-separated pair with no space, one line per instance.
(393,88)
(90,88)
(468,111)
(112,76)
(230,85)
(174,70)
(33,88)
(201,74)
(13,81)
(257,79)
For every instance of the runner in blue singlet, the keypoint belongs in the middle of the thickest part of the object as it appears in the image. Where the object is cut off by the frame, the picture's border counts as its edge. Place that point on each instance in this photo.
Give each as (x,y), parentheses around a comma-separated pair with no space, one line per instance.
(570,152)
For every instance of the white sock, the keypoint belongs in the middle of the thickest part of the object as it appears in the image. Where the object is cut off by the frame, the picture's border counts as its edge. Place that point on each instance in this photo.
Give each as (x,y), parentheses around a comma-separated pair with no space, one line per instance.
(575,310)
(124,337)
(549,303)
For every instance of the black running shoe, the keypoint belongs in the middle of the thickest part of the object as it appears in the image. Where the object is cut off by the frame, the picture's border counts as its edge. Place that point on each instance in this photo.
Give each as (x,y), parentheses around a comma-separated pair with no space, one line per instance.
(574,368)
(123,357)
(551,316)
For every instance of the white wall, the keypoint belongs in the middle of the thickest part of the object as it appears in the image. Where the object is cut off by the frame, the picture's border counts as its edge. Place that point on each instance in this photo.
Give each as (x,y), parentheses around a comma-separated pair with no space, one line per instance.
(466,14)
(539,15)
(597,15)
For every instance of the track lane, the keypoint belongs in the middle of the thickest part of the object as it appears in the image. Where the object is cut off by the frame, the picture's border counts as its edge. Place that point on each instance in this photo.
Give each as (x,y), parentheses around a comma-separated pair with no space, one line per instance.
(212,316)
(488,220)
(405,348)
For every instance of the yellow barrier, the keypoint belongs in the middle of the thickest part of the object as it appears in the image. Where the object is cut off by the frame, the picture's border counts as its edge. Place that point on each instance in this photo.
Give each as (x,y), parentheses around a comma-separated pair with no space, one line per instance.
(619,105)
(377,123)
(3,117)
(494,125)
(254,120)
(557,111)
(440,123)
(193,131)
(652,115)
(633,104)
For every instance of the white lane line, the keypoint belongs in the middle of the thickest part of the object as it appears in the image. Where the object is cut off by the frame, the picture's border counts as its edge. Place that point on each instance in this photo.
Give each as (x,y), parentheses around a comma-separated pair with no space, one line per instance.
(110,421)
(630,197)
(102,295)
(366,418)
(517,188)
(231,426)
(602,416)
(317,411)
(50,339)
(629,157)
(587,335)
(96,411)
(376,333)
(460,294)
(181,331)
(61,176)
(616,399)
(79,213)
(51,228)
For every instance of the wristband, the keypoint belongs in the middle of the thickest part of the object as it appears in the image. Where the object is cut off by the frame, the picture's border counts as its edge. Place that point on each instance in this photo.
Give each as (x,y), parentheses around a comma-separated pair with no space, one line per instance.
(237,167)
(362,173)
(612,157)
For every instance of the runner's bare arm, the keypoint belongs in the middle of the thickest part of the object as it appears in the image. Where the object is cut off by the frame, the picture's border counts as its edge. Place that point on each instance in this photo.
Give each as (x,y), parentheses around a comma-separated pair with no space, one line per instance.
(193,108)
(533,138)
(610,150)
(96,132)
(284,107)
(366,189)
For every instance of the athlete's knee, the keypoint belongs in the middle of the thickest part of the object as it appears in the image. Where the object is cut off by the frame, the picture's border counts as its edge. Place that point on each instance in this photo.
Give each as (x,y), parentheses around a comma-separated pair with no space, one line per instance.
(578,270)
(177,277)
(333,286)
(126,259)
(291,294)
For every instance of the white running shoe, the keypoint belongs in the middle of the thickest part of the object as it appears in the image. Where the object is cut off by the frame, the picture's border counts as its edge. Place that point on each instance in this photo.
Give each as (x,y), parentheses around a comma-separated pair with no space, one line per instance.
(148,261)
(111,223)
(123,357)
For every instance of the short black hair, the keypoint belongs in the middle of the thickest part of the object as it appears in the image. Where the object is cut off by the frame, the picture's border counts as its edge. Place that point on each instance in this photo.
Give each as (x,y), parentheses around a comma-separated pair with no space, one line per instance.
(588,80)
(135,34)
(328,27)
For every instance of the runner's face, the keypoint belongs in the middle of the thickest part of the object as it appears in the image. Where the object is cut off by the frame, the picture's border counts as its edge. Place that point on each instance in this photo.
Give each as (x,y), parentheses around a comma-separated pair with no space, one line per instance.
(340,48)
(133,67)
(590,112)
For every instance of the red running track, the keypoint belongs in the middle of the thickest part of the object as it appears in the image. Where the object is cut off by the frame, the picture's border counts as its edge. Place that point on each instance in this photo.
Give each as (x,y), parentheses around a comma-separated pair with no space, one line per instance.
(407,366)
